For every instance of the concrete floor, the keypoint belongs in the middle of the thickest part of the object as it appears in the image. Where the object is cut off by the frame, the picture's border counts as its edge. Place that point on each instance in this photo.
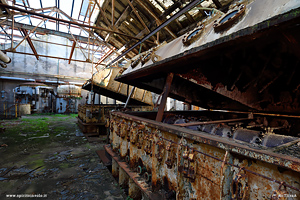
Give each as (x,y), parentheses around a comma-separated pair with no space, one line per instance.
(47,155)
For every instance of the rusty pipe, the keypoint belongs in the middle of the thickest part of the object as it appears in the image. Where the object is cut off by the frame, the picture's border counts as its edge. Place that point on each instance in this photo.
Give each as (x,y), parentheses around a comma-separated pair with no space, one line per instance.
(4,57)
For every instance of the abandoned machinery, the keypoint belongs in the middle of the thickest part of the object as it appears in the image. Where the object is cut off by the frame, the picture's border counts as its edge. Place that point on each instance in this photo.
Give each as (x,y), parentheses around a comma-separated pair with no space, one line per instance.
(193,157)
(246,144)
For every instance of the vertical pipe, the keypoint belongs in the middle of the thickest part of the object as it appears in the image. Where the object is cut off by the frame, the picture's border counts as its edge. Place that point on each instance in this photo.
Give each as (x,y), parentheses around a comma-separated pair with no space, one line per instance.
(129,96)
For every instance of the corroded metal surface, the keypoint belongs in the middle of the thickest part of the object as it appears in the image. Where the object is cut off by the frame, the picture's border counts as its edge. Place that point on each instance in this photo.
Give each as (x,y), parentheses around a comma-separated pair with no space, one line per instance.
(252,64)
(103,83)
(185,164)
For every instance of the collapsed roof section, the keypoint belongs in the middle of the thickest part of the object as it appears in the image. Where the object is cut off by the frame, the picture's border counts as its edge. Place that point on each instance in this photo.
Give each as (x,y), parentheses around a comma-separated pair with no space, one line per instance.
(246,59)
(103,83)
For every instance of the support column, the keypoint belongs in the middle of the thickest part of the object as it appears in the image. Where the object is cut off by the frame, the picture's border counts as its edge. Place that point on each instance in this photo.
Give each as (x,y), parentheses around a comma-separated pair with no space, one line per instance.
(164,97)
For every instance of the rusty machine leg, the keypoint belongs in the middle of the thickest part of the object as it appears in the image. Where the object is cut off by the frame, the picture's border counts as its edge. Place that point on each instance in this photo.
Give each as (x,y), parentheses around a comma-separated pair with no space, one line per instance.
(164,97)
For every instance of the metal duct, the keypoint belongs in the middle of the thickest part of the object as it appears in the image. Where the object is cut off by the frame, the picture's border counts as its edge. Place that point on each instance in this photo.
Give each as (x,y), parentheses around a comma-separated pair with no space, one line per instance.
(4,57)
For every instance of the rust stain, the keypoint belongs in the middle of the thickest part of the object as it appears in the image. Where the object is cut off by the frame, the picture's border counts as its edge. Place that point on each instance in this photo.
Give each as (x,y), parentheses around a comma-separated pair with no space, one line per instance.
(194,175)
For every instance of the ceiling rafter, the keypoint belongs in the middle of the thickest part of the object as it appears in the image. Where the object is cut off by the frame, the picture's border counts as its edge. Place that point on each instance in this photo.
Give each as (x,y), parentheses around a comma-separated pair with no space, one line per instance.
(32,31)
(69,22)
(155,17)
(88,31)
(30,43)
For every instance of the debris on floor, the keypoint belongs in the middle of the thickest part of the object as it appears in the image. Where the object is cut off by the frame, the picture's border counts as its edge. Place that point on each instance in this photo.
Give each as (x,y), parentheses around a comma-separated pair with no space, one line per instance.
(49,156)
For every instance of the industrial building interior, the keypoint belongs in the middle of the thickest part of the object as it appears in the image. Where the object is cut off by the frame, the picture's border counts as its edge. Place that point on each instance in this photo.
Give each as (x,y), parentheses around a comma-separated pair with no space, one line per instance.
(152,99)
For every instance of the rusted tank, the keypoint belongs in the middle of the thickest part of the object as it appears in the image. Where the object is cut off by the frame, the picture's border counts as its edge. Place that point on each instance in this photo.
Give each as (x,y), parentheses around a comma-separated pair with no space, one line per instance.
(94,118)
(64,91)
(243,62)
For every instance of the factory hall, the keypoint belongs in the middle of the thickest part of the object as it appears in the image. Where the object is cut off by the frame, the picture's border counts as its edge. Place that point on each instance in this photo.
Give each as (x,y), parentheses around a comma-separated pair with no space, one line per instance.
(150,99)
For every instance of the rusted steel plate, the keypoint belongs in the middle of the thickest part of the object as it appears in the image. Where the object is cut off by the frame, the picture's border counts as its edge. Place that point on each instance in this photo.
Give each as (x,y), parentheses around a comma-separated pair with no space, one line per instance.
(144,187)
(104,157)
(238,83)
(182,164)
(223,143)
(103,83)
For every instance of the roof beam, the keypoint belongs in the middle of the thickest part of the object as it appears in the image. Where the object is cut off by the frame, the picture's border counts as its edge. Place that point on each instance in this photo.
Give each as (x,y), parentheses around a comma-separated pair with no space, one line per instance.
(48,31)
(32,31)
(117,23)
(113,13)
(30,43)
(156,18)
(182,11)
(103,14)
(66,21)
(90,32)
(138,16)
(103,58)
(42,10)
(217,3)
(46,56)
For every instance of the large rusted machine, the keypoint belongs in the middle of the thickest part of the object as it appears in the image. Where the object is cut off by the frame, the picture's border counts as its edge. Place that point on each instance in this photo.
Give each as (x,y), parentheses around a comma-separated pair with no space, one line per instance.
(242,66)
(93,118)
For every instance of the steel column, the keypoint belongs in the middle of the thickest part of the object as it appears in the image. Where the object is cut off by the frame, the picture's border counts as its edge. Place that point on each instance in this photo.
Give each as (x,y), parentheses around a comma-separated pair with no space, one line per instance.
(163,101)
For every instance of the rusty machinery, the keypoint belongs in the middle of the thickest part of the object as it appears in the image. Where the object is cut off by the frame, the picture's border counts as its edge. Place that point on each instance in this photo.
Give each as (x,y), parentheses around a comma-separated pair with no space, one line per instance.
(193,155)
(242,67)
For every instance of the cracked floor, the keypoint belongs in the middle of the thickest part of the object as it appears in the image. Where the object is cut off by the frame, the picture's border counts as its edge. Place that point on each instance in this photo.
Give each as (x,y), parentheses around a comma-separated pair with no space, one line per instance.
(47,156)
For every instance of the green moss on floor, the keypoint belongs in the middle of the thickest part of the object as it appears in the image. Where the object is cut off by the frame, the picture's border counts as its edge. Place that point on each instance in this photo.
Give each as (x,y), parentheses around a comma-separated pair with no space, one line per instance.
(49,155)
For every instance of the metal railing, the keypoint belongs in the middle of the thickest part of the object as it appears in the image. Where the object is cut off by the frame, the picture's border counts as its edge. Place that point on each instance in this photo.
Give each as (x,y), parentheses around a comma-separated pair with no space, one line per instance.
(9,110)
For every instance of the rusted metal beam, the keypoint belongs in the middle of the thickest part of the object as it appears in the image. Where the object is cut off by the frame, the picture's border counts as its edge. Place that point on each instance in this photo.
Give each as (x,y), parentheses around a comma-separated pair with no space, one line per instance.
(135,177)
(217,3)
(103,14)
(92,33)
(156,18)
(30,43)
(104,57)
(182,11)
(118,23)
(80,8)
(4,20)
(46,56)
(72,51)
(47,42)
(211,122)
(66,21)
(138,16)
(78,45)
(163,101)
(112,13)
(29,33)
